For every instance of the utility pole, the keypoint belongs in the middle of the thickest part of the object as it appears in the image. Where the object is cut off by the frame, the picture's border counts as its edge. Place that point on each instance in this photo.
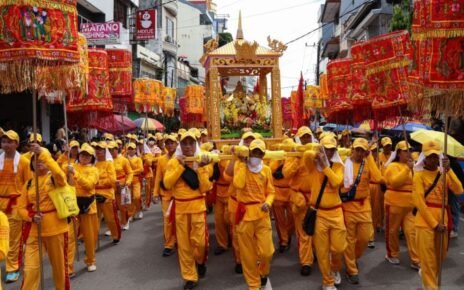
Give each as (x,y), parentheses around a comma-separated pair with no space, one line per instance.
(318,60)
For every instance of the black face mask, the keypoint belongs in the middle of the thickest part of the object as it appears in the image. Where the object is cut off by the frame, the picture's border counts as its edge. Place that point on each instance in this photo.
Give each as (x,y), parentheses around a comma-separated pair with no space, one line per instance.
(191,178)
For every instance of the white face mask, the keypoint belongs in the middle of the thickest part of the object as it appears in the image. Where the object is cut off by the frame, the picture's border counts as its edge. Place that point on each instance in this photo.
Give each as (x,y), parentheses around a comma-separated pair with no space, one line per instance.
(255,164)
(151,143)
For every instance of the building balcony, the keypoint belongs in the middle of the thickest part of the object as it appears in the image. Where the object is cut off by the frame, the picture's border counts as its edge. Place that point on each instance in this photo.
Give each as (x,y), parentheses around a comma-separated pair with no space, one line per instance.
(171,6)
(330,11)
(331,48)
(169,46)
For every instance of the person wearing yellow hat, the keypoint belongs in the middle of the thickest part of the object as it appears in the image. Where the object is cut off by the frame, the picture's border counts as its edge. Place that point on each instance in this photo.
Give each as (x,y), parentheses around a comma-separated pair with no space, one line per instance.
(319,131)
(427,197)
(398,205)
(160,193)
(376,199)
(54,231)
(14,173)
(253,221)
(147,153)
(189,185)
(135,208)
(31,140)
(387,146)
(105,195)
(159,137)
(325,167)
(359,171)
(300,196)
(70,154)
(124,176)
(203,136)
(345,141)
(108,137)
(282,207)
(84,176)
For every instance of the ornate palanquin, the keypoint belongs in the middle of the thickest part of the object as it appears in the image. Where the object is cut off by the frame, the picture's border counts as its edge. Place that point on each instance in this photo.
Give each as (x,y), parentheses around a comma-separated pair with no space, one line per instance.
(242,58)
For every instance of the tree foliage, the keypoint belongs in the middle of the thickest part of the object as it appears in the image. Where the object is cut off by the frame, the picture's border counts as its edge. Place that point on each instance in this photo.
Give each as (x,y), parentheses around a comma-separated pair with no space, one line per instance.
(225,38)
(402,16)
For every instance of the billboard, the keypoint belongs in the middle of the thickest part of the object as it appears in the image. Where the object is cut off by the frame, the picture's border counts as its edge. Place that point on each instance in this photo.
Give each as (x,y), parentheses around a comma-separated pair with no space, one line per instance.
(102,33)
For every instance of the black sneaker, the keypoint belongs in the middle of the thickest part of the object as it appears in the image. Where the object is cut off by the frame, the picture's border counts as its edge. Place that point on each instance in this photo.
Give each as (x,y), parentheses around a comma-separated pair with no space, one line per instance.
(371,245)
(168,252)
(238,269)
(283,248)
(219,251)
(353,279)
(115,242)
(201,269)
(190,285)
(305,270)
(263,281)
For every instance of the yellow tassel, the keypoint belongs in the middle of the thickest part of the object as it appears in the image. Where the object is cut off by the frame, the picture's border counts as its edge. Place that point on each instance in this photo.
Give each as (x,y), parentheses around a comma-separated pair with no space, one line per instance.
(438,33)
(385,67)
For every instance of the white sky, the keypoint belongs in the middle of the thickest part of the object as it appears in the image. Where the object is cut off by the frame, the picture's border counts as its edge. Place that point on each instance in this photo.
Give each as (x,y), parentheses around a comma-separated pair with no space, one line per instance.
(284,21)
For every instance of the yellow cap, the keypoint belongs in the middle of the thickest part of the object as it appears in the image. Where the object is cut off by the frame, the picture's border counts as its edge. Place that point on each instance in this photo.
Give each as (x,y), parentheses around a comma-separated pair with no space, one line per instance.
(131,145)
(431,147)
(258,144)
(319,130)
(12,135)
(119,142)
(112,145)
(329,142)
(346,132)
(102,144)
(159,136)
(248,135)
(108,136)
(190,134)
(386,141)
(327,133)
(361,143)
(402,145)
(39,138)
(181,131)
(204,132)
(73,143)
(140,141)
(259,136)
(87,148)
(93,144)
(247,129)
(151,136)
(303,131)
(1,132)
(208,146)
(373,146)
(196,132)
(171,137)
(131,136)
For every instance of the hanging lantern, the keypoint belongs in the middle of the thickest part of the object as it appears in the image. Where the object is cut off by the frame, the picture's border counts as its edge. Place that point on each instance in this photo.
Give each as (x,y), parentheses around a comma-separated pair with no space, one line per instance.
(169,98)
(120,68)
(312,98)
(339,107)
(194,99)
(147,95)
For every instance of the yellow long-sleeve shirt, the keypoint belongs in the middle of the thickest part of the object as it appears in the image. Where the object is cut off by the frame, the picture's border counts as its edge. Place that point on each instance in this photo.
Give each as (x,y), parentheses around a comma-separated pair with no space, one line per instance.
(160,171)
(106,179)
(370,173)
(223,182)
(429,209)
(398,177)
(187,200)
(253,189)
(11,183)
(300,181)
(282,186)
(148,160)
(383,158)
(27,203)
(85,181)
(123,169)
(136,164)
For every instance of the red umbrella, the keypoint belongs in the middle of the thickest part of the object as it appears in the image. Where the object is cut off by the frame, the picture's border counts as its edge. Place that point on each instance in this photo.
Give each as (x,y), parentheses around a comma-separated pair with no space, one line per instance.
(114,124)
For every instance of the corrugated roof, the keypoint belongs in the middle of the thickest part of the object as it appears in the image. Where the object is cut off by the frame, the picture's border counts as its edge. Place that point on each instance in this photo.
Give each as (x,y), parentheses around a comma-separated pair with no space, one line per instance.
(229,49)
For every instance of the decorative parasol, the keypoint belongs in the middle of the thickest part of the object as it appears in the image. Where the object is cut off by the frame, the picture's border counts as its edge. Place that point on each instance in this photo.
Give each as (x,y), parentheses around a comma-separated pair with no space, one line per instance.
(149,124)
(147,95)
(120,73)
(411,127)
(114,124)
(455,148)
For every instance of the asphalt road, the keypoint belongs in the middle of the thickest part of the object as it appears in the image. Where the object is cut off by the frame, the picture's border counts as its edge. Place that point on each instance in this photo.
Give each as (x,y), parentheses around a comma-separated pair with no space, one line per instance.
(136,263)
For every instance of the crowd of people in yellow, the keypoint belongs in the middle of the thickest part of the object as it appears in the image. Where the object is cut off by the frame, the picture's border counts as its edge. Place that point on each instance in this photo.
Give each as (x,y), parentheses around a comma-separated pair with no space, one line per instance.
(352,189)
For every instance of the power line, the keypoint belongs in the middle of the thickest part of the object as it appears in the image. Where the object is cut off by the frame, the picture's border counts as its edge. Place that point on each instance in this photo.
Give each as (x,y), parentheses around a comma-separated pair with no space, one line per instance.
(150,7)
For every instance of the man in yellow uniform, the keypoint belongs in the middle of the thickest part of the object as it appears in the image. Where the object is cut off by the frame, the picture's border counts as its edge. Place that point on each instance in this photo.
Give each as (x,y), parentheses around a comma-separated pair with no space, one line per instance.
(329,238)
(300,195)
(189,186)
(427,197)
(161,193)
(135,208)
(14,173)
(106,205)
(376,199)
(387,146)
(359,171)
(255,194)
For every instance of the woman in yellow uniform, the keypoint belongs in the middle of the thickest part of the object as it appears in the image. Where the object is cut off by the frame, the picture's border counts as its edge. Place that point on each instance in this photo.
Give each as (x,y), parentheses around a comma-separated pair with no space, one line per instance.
(376,199)
(54,231)
(160,193)
(124,178)
(427,197)
(14,173)
(106,205)
(135,209)
(71,153)
(399,206)
(85,178)
(189,183)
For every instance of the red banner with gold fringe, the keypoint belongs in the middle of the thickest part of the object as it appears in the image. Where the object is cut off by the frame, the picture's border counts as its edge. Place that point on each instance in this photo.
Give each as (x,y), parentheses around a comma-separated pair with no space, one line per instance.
(120,68)
(339,107)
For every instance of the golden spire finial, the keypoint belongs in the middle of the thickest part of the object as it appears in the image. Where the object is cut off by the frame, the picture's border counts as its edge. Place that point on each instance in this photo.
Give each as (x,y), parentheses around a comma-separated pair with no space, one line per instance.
(239,29)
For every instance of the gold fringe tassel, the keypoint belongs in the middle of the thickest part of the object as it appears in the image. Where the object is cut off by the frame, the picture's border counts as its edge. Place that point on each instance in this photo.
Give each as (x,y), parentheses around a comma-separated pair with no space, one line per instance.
(70,8)
(389,66)
(438,33)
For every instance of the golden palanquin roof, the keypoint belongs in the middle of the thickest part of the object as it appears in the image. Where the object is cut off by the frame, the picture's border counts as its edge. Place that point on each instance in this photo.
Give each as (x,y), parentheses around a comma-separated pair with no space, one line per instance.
(229,49)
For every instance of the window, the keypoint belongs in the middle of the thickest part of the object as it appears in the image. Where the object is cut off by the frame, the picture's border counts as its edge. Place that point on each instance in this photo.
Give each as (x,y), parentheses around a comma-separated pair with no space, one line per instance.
(81,19)
(120,13)
(169,30)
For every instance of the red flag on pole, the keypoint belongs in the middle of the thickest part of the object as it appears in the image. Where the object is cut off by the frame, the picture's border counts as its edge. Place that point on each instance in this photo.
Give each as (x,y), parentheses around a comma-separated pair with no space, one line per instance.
(297,105)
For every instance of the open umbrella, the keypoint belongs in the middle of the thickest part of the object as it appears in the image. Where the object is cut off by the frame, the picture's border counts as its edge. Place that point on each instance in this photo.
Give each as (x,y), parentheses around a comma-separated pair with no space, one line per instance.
(455,148)
(411,127)
(149,124)
(114,124)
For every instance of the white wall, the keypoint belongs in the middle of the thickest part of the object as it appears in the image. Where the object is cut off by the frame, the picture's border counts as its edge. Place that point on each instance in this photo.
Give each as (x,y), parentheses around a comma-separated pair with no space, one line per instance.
(105,6)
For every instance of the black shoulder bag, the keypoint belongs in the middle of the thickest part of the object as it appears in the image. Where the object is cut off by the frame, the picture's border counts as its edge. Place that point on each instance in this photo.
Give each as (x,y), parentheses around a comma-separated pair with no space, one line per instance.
(277,174)
(429,190)
(191,178)
(348,196)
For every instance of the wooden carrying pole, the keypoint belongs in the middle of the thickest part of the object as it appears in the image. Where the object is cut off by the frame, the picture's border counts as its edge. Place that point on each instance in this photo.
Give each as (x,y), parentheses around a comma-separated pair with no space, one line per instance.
(37,192)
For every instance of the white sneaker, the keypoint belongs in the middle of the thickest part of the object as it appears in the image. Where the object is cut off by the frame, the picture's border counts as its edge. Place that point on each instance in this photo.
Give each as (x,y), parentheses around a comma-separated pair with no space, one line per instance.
(131,219)
(420,272)
(139,215)
(392,260)
(108,233)
(454,235)
(125,227)
(338,279)
(92,268)
(331,287)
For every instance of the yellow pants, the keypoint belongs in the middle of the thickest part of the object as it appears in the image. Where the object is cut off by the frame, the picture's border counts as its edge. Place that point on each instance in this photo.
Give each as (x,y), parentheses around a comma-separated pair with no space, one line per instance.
(396,217)
(192,243)
(329,239)
(136,204)
(15,251)
(169,236)
(305,243)
(148,189)
(428,247)
(376,199)
(285,225)
(89,228)
(256,249)
(221,222)
(108,210)
(358,232)
(73,229)
(56,247)
(233,230)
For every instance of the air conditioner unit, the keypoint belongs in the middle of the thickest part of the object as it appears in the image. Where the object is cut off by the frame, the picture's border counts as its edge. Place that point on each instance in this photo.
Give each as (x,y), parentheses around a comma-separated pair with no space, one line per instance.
(168,38)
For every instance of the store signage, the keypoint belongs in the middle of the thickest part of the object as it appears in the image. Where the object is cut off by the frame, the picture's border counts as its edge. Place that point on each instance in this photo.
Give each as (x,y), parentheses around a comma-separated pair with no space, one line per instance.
(146,24)
(102,33)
